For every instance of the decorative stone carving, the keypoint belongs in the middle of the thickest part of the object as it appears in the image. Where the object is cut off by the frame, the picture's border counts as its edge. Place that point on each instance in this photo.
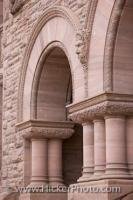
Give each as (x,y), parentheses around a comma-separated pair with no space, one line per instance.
(82,45)
(15,5)
(84,33)
(41,129)
(100,106)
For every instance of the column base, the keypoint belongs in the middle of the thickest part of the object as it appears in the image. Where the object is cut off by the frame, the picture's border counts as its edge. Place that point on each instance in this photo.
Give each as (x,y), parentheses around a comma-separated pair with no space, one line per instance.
(56,182)
(120,189)
(46,196)
(37,184)
(86,174)
(104,177)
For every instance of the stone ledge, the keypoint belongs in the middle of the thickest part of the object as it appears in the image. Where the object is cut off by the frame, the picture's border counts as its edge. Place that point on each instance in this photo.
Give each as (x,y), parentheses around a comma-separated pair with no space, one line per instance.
(35,129)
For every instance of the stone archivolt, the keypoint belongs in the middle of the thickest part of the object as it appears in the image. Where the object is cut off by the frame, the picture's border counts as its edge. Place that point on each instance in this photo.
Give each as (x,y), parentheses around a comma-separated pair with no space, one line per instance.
(85,28)
(110,44)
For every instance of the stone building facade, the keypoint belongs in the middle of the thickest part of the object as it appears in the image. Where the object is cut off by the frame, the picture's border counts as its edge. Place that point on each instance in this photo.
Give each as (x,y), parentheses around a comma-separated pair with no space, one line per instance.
(66,98)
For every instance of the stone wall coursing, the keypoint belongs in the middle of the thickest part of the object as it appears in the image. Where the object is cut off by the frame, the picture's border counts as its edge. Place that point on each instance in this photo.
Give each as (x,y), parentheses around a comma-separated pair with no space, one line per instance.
(16,33)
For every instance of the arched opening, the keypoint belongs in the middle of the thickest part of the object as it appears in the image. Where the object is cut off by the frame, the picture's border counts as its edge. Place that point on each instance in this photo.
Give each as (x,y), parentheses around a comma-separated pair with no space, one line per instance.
(53,93)
(54,87)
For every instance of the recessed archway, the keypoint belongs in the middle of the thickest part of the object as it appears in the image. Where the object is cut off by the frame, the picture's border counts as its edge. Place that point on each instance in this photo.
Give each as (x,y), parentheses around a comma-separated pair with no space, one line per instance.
(54,90)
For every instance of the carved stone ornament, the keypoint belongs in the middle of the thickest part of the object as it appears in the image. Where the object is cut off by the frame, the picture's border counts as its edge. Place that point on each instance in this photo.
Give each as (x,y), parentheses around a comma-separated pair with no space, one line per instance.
(15,5)
(84,34)
(82,45)
(34,129)
(103,105)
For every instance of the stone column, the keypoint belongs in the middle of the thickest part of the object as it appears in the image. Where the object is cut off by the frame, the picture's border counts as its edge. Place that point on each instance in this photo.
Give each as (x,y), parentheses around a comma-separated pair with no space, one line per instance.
(116,163)
(130,144)
(55,162)
(46,149)
(88,151)
(99,147)
(39,160)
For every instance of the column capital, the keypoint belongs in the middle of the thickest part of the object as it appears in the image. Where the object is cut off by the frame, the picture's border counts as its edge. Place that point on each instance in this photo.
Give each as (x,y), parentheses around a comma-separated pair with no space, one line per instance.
(101,106)
(35,129)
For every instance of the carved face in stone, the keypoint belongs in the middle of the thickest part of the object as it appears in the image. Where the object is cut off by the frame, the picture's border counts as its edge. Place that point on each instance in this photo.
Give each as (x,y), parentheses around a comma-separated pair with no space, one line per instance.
(12,1)
(81,2)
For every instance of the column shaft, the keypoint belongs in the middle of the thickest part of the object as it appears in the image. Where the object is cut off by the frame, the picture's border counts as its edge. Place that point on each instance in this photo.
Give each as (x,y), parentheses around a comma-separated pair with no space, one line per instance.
(55,162)
(88,151)
(130,144)
(39,168)
(99,147)
(116,146)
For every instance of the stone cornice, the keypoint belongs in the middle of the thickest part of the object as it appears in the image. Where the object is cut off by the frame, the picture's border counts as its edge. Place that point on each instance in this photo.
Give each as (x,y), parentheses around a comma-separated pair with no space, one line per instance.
(100,106)
(41,129)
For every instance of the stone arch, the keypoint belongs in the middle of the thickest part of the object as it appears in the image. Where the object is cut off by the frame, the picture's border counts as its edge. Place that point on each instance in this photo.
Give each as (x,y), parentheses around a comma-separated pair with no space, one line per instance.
(64,25)
(104,32)
(53,59)
(110,44)
(123,52)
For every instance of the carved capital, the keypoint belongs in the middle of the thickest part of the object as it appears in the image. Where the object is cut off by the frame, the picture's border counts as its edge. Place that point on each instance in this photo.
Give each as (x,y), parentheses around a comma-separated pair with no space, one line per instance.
(40,129)
(15,5)
(100,106)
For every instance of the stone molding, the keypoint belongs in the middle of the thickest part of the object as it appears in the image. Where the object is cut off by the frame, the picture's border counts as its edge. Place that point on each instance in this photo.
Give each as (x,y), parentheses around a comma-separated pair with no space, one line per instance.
(110,44)
(16,5)
(103,105)
(35,129)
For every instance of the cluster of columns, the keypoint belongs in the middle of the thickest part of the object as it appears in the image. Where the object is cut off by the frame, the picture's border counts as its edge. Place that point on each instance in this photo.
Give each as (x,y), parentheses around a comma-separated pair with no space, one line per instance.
(107,148)
(45,150)
(46,166)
